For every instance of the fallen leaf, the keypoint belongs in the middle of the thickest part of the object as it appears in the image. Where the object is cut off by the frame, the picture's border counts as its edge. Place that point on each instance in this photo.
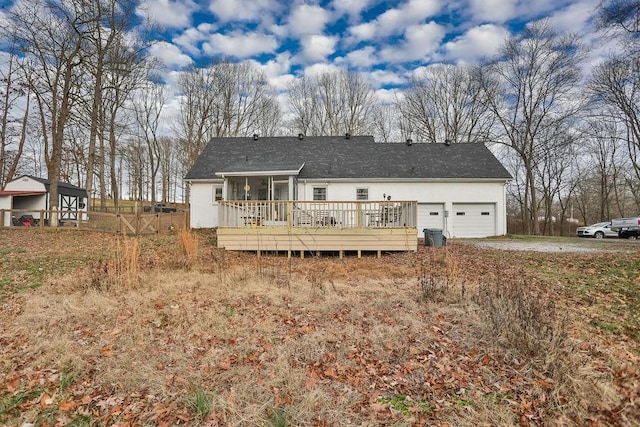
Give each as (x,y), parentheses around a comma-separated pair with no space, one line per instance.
(66,406)
(45,400)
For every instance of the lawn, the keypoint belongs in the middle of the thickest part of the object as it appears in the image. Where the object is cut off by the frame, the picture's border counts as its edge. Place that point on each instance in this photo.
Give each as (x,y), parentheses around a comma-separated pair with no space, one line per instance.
(97,329)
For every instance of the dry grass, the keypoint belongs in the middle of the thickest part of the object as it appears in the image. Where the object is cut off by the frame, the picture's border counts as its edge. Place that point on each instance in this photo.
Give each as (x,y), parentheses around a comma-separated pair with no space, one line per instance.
(413,339)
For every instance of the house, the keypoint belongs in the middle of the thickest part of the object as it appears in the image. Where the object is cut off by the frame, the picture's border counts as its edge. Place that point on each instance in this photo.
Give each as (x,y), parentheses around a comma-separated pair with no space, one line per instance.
(236,183)
(29,195)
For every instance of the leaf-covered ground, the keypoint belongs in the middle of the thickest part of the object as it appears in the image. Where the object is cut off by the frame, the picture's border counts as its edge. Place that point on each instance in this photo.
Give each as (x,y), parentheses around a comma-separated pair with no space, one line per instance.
(460,335)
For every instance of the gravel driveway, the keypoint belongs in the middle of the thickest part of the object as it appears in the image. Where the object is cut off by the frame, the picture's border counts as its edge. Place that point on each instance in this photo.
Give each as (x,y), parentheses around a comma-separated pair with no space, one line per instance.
(556,244)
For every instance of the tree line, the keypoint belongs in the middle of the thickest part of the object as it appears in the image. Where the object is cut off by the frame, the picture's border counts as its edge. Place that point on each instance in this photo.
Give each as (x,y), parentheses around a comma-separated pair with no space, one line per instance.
(81,100)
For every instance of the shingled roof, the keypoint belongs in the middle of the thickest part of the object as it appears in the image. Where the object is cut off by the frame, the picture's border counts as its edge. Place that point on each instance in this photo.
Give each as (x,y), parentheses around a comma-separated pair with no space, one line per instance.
(332,157)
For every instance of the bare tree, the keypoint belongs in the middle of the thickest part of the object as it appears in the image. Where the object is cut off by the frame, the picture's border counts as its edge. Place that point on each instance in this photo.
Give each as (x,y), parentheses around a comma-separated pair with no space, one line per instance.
(444,102)
(196,102)
(615,85)
(148,105)
(225,99)
(112,50)
(624,14)
(332,103)
(53,37)
(13,130)
(528,88)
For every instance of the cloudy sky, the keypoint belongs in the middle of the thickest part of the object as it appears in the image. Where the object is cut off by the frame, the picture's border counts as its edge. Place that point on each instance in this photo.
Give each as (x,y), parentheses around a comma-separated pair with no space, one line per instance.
(387,40)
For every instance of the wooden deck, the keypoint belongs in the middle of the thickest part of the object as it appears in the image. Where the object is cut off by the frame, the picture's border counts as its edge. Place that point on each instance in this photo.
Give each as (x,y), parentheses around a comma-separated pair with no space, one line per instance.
(304,226)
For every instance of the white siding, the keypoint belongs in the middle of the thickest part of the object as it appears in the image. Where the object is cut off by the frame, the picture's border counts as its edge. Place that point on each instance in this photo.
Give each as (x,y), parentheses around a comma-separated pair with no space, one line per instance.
(25,184)
(432,192)
(203,209)
(441,194)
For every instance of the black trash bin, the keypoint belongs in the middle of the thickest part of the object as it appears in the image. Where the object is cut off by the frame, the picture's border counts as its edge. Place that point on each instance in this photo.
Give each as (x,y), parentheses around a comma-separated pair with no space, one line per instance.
(433,237)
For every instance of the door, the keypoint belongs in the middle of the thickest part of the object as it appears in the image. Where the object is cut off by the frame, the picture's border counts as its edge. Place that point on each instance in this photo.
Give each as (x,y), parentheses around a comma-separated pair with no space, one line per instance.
(474,219)
(430,215)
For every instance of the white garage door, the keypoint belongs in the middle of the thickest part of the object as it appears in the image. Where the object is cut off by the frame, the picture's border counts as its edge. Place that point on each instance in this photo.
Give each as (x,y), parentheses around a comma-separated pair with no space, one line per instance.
(430,215)
(474,220)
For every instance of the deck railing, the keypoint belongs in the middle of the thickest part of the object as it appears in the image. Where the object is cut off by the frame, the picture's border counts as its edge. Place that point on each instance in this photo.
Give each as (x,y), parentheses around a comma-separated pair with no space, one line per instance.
(318,214)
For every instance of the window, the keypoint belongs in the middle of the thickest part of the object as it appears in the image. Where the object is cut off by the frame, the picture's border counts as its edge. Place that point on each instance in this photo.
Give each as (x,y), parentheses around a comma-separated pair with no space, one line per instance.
(217,193)
(433,213)
(319,193)
(485,213)
(362,194)
(460,213)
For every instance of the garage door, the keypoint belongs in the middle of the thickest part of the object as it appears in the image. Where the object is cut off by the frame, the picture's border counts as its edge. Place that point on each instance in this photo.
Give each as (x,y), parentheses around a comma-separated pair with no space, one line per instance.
(430,215)
(474,220)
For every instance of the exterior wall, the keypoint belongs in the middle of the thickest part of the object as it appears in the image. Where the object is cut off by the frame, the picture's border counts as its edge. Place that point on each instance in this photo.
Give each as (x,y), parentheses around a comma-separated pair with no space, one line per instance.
(447,193)
(25,184)
(204,209)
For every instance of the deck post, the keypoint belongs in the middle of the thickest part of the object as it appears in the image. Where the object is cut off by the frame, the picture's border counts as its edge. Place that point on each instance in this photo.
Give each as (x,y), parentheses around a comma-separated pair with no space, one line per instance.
(341,252)
(2,218)
(359,214)
(359,253)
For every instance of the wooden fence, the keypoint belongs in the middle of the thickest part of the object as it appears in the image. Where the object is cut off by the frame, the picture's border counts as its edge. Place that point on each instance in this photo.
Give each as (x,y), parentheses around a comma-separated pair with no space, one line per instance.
(125,223)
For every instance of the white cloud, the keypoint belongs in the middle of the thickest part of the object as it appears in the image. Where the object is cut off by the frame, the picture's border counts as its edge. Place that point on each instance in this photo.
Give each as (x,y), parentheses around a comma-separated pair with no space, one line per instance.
(169,54)
(388,96)
(395,21)
(241,45)
(384,77)
(363,31)
(317,48)
(573,18)
(419,42)
(478,42)
(315,70)
(307,19)
(242,10)
(277,70)
(168,13)
(364,57)
(190,38)
(492,10)
(352,8)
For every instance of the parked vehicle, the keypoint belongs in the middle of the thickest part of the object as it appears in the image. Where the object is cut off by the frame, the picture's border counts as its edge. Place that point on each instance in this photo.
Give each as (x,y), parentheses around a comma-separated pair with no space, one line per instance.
(599,230)
(627,228)
(159,207)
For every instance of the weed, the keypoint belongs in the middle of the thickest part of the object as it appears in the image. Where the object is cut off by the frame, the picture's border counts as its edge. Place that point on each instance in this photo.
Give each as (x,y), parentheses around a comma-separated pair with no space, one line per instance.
(397,403)
(189,245)
(525,321)
(66,379)
(440,276)
(81,421)
(201,402)
(11,404)
(405,405)
(121,270)
(278,418)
